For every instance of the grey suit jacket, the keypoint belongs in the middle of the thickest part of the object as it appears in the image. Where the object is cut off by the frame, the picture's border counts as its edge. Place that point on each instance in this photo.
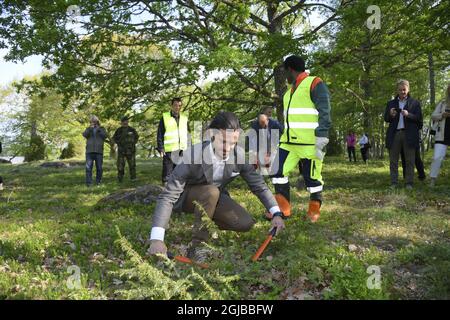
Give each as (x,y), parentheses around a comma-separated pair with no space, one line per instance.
(200,171)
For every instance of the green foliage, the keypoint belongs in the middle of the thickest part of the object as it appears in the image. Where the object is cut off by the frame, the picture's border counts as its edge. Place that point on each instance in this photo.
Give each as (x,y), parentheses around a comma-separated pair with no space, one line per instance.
(334,147)
(36,149)
(349,277)
(118,63)
(128,67)
(68,152)
(362,66)
(147,281)
(34,113)
(404,233)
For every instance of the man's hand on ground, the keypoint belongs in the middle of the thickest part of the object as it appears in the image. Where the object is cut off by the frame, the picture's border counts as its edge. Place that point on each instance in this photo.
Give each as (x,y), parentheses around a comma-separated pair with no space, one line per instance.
(277,222)
(157,247)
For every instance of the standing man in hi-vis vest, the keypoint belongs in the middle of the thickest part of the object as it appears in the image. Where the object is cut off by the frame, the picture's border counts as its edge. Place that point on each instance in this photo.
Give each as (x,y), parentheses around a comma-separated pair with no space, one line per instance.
(172,137)
(307,121)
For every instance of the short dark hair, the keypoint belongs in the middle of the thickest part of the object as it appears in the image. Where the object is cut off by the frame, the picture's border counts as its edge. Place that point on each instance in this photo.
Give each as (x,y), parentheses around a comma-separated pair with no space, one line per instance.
(294,62)
(225,120)
(176,99)
(125,118)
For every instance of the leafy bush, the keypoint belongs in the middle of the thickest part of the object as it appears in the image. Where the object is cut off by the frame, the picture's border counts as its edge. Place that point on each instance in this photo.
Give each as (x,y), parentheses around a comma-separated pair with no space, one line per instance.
(36,149)
(334,147)
(68,152)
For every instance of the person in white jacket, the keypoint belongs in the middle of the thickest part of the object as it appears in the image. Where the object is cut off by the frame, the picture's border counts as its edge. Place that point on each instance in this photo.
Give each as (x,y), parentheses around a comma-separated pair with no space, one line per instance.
(1,179)
(442,135)
(364,145)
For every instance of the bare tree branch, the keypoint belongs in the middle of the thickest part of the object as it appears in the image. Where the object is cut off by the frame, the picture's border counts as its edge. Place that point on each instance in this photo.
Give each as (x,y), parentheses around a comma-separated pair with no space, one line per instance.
(292,9)
(254,17)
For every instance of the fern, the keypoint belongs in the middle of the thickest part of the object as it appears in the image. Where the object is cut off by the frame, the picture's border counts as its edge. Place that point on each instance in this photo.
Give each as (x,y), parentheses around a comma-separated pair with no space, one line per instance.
(147,281)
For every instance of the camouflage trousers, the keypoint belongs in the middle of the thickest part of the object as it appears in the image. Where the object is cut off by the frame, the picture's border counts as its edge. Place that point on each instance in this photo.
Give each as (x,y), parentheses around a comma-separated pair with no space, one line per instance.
(131,159)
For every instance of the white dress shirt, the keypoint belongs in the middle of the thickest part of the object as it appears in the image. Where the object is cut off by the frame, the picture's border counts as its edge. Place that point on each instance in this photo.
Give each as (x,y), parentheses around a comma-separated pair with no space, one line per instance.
(218,167)
(401,120)
(364,140)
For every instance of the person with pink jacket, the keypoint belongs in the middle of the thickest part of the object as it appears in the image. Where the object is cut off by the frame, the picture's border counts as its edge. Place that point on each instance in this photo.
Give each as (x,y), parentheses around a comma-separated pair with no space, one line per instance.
(351,143)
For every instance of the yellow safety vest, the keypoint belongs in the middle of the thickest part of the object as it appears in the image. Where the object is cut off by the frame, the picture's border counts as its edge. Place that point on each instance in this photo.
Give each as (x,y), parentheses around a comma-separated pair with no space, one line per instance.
(176,135)
(301,117)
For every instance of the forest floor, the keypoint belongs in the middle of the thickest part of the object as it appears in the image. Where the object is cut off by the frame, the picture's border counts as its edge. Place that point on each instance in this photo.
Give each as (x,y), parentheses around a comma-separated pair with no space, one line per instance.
(57,243)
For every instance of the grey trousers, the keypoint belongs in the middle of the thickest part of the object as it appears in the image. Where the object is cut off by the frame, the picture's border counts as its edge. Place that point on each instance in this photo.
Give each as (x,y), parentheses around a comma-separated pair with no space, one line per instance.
(394,155)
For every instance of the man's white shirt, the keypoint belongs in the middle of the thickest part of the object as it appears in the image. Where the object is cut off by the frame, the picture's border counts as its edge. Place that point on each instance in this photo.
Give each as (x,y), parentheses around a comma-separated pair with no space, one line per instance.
(401,120)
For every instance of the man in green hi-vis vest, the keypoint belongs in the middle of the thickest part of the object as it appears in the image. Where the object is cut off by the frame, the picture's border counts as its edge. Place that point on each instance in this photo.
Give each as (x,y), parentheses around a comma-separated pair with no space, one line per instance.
(307,121)
(172,137)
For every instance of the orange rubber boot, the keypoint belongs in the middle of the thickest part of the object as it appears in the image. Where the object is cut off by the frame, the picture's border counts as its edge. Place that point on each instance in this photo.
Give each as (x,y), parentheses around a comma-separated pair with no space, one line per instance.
(314,210)
(284,204)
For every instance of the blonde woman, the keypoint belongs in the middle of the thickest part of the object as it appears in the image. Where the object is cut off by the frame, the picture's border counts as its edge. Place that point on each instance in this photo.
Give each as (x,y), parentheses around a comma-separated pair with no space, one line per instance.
(442,137)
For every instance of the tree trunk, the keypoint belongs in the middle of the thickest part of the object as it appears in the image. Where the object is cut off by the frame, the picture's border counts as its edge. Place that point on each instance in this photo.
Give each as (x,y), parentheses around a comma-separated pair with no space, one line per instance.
(280,88)
(432,96)
(432,81)
(112,151)
(383,134)
(275,26)
(33,130)
(366,85)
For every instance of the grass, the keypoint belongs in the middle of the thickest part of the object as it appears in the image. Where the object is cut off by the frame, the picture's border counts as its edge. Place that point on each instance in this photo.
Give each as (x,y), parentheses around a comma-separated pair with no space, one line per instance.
(51,228)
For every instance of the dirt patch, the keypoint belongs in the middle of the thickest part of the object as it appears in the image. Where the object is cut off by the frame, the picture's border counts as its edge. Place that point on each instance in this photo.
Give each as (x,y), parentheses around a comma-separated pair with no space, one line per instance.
(142,195)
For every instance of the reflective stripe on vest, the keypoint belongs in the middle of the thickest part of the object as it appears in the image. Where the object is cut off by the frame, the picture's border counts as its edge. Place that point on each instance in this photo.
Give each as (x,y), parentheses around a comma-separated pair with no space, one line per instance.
(300,114)
(176,136)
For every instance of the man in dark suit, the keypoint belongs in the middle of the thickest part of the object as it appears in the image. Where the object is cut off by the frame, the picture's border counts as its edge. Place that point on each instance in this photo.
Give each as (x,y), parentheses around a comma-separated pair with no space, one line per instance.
(267,134)
(404,115)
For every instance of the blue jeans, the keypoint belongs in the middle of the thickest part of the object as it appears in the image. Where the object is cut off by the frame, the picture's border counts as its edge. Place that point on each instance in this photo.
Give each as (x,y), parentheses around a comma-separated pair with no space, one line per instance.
(90,158)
